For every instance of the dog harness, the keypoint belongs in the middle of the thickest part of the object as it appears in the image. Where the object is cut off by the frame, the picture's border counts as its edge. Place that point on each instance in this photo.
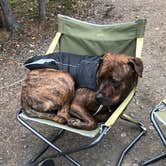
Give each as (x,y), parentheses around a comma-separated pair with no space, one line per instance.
(83,69)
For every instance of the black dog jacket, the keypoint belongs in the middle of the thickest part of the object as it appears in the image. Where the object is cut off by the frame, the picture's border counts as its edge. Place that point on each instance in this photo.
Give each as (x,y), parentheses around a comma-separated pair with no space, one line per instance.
(82,68)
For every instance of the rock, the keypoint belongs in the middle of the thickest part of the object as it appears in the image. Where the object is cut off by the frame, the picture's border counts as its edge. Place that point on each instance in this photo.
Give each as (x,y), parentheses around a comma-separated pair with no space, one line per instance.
(24,136)
(157,28)
(25,146)
(123,135)
(151,127)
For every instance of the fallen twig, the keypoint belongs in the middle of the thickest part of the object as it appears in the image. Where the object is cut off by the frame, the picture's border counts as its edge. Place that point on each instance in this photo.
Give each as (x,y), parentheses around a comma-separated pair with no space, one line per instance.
(8,86)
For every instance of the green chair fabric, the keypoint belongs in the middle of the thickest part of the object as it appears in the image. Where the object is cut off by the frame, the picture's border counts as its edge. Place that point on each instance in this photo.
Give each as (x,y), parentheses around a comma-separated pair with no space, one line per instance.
(161,116)
(92,39)
(158,118)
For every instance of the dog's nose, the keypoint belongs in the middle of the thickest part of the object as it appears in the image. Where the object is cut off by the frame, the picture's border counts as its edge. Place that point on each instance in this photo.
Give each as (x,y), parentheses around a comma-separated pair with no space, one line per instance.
(99,97)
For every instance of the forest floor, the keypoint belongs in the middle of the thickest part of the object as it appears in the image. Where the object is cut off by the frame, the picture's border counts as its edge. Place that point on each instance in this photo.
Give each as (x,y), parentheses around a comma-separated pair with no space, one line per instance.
(18,145)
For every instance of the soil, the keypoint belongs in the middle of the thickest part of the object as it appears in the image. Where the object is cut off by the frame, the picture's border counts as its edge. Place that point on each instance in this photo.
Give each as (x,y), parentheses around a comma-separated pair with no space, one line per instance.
(18,145)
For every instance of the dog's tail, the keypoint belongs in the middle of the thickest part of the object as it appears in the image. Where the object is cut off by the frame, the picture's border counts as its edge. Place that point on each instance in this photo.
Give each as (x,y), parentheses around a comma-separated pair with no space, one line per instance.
(44,115)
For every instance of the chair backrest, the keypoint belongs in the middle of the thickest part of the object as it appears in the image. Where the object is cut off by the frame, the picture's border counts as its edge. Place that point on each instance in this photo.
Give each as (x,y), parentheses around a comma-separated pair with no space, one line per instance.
(84,38)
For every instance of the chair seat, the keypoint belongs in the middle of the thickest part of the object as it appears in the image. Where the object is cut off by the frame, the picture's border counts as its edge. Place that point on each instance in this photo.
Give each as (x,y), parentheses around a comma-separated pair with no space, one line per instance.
(87,133)
(161,116)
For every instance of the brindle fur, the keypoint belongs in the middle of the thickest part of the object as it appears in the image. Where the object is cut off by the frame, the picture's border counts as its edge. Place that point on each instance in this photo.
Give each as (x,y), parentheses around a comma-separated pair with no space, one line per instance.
(45,90)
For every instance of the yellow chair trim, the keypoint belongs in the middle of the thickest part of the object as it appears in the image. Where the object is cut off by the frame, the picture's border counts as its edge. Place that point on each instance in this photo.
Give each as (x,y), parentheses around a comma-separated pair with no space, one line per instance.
(54,43)
(164,101)
(139,46)
(120,109)
(87,133)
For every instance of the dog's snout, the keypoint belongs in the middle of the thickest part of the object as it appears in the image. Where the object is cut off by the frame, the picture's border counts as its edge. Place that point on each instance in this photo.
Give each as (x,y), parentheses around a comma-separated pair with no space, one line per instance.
(99,97)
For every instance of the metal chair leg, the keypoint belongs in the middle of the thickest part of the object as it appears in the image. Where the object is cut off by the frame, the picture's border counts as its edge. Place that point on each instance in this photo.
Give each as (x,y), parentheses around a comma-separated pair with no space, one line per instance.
(157,127)
(83,147)
(93,143)
(133,142)
(56,148)
(80,148)
(48,162)
(154,159)
(160,133)
(47,146)
(104,131)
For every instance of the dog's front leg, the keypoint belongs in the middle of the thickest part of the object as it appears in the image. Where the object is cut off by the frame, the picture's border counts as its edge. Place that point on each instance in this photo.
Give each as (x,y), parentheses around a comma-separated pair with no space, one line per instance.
(64,112)
(83,119)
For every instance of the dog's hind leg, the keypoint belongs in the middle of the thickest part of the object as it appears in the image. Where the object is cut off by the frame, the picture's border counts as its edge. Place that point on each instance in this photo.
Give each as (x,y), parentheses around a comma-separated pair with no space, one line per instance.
(83,119)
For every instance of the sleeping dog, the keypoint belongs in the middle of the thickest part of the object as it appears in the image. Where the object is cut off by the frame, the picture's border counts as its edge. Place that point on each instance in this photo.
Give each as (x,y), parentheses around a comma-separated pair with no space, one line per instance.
(70,91)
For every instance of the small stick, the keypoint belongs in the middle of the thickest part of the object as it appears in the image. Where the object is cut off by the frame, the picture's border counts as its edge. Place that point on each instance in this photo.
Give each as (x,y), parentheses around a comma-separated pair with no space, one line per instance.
(17,82)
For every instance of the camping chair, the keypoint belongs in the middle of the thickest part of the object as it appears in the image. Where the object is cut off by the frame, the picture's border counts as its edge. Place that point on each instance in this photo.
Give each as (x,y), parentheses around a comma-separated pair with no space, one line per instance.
(158,115)
(79,37)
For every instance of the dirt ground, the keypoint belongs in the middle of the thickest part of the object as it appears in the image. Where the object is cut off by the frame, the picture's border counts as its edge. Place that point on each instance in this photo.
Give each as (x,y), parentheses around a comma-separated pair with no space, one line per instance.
(17,145)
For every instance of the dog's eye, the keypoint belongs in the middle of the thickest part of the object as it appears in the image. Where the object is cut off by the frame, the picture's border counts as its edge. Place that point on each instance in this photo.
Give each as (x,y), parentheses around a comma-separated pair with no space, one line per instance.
(112,80)
(116,83)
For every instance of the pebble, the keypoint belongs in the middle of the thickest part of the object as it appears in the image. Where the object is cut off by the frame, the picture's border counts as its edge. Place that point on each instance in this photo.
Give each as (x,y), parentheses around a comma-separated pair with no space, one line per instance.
(123,135)
(31,51)
(32,45)
(25,146)
(151,127)
(157,28)
(52,14)
(23,136)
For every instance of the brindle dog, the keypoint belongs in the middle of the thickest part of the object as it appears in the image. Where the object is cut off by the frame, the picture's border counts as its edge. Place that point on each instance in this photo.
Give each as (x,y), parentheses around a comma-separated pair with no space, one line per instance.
(50,94)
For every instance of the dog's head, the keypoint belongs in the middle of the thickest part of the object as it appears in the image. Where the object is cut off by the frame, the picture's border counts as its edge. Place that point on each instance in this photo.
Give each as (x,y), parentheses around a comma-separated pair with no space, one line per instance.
(116,77)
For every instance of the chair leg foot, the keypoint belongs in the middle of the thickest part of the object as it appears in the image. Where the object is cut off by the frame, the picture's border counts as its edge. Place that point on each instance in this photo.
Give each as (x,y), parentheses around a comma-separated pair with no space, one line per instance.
(154,159)
(136,139)
(48,162)
(126,149)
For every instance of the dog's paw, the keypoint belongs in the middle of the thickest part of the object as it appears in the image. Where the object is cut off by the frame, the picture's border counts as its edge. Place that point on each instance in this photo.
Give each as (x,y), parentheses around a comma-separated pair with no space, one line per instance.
(77,123)
(59,119)
(74,122)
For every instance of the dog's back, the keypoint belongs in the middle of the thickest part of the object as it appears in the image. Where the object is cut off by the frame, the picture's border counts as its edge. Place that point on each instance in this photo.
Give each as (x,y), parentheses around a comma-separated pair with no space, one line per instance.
(46,90)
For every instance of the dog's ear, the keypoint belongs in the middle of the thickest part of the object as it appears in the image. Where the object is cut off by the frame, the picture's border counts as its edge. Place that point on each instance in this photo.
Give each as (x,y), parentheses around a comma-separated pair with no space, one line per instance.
(137,65)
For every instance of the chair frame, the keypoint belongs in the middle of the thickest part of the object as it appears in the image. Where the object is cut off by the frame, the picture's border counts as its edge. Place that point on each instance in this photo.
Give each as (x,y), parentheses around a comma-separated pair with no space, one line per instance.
(103,128)
(67,153)
(159,132)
